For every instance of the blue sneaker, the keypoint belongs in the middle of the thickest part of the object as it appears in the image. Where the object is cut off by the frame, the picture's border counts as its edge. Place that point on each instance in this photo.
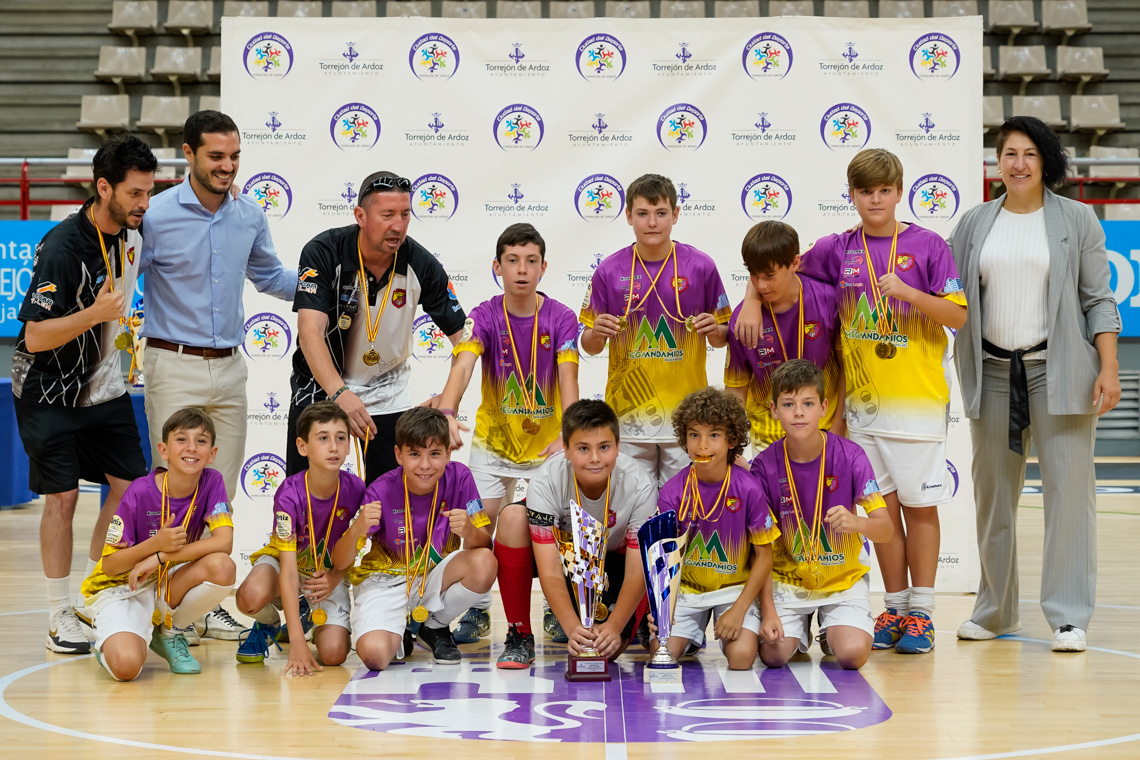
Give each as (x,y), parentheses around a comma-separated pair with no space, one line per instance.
(306,622)
(253,644)
(918,637)
(175,651)
(474,625)
(888,629)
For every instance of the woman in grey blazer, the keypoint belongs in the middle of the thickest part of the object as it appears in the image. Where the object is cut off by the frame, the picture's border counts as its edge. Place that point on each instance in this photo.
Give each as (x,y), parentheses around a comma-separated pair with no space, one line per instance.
(1037,356)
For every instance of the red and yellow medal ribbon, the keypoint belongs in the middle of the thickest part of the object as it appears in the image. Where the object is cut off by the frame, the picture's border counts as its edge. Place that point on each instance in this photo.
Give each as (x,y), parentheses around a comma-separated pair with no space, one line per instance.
(692,505)
(319,562)
(370,327)
(164,515)
(653,283)
(409,541)
(800,323)
(876,293)
(530,400)
(810,543)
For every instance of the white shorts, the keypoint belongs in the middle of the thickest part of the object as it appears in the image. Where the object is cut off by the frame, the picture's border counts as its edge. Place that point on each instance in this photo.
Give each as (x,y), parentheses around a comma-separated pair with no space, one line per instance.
(492,486)
(916,470)
(120,610)
(382,602)
(337,606)
(691,617)
(795,605)
(661,459)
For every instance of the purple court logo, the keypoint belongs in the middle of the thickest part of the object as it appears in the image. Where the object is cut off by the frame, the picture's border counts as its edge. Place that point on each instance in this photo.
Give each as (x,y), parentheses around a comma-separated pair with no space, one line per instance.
(767,56)
(518,127)
(261,475)
(267,336)
(434,56)
(271,192)
(428,341)
(935,56)
(599,197)
(682,127)
(766,196)
(600,57)
(268,56)
(434,198)
(845,126)
(355,126)
(714,704)
(934,196)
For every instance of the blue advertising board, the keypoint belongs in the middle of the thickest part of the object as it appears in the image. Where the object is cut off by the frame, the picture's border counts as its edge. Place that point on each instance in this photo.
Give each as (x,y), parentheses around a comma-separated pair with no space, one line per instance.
(1123,242)
(17,248)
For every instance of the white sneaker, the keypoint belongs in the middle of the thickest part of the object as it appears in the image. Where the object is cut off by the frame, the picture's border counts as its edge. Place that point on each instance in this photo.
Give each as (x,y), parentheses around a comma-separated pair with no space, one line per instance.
(190,633)
(1069,638)
(971,631)
(79,606)
(64,634)
(219,624)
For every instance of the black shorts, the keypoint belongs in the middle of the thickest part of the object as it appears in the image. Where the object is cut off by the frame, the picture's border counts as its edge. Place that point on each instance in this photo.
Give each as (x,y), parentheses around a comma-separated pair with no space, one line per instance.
(381,449)
(69,444)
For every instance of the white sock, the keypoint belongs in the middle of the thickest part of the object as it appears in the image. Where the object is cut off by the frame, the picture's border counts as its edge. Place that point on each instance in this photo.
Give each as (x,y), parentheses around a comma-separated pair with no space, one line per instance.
(267,615)
(456,599)
(898,601)
(197,602)
(922,600)
(59,594)
(91,563)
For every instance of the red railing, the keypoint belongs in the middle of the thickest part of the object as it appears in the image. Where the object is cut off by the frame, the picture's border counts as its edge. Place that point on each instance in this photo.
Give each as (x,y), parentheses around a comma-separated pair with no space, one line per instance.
(26,182)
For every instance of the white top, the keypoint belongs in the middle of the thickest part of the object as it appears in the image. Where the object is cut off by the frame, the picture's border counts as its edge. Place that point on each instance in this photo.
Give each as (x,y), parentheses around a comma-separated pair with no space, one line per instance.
(1014,266)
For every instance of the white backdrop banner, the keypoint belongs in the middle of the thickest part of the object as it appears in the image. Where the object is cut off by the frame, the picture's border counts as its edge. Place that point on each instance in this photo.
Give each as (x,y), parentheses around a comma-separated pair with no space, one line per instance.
(499,121)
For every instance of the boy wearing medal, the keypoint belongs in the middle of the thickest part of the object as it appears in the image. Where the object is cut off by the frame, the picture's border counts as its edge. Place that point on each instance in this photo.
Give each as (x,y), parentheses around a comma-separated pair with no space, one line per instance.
(311,511)
(158,574)
(897,290)
(820,556)
(530,375)
(655,303)
(427,557)
(728,558)
(799,321)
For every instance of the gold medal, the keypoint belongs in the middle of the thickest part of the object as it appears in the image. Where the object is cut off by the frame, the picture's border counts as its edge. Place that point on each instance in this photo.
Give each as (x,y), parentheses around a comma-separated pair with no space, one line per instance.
(690,323)
(123,341)
(529,426)
(420,613)
(371,357)
(884,350)
(623,324)
(894,350)
(319,616)
(344,322)
(601,612)
(168,620)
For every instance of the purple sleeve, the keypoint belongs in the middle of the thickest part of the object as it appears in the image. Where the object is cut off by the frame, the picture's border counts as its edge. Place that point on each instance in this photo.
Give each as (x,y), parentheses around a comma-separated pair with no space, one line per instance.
(465,488)
(125,529)
(757,511)
(737,367)
(716,298)
(941,271)
(820,262)
(375,492)
(566,335)
(669,498)
(864,486)
(597,299)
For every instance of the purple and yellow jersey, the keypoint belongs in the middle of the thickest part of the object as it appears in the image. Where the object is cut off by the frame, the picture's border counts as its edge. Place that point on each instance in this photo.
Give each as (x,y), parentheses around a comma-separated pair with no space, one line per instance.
(719,552)
(752,368)
(905,396)
(387,555)
(499,434)
(290,530)
(848,481)
(655,362)
(139,517)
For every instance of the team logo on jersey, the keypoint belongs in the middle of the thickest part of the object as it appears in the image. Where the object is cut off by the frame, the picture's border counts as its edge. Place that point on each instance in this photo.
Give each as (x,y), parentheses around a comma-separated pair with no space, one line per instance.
(680,284)
(544,341)
(267,336)
(518,127)
(434,56)
(831,482)
(284,525)
(268,55)
(303,285)
(131,255)
(39,298)
(935,56)
(515,397)
(261,475)
(934,196)
(115,530)
(468,330)
(812,330)
(766,196)
(875,324)
(845,126)
(600,57)
(599,197)
(681,127)
(655,342)
(355,126)
(272,193)
(46,288)
(732,504)
(904,262)
(767,56)
(708,553)
(612,521)
(399,297)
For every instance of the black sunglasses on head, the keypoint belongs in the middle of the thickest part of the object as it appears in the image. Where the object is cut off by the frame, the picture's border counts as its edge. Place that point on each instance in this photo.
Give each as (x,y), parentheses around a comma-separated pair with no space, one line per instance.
(387,183)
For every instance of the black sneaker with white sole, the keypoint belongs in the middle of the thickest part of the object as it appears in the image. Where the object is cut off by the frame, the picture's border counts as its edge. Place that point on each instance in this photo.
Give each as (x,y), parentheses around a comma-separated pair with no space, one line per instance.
(441,644)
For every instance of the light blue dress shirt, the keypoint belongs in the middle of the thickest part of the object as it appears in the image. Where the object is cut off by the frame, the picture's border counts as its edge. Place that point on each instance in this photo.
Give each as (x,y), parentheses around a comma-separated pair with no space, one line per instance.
(196,264)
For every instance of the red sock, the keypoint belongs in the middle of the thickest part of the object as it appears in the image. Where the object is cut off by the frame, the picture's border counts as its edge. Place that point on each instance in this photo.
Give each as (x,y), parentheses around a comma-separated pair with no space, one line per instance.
(515,570)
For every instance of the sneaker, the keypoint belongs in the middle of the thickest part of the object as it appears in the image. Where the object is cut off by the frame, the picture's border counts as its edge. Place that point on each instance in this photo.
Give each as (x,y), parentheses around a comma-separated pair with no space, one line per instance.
(643,636)
(306,622)
(175,651)
(694,647)
(254,647)
(190,633)
(1069,638)
(474,625)
(919,634)
(553,628)
(971,631)
(441,644)
(65,635)
(518,652)
(888,629)
(822,639)
(219,624)
(409,643)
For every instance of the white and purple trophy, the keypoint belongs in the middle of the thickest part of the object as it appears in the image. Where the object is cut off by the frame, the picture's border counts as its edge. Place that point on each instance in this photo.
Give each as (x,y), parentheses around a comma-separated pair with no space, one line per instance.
(583,553)
(662,552)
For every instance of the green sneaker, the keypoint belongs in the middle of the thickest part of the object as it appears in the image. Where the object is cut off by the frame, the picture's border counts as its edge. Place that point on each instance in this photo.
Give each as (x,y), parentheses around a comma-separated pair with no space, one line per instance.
(175,651)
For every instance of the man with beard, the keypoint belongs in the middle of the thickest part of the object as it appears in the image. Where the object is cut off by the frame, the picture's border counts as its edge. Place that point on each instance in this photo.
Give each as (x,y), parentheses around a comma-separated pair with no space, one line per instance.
(201,243)
(72,409)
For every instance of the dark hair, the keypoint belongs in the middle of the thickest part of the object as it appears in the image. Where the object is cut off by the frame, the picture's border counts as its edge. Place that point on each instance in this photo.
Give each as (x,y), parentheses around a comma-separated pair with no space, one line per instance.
(768,245)
(588,414)
(382,182)
(1054,161)
(420,426)
(188,419)
(121,154)
(520,233)
(794,375)
(318,413)
(653,188)
(718,408)
(203,122)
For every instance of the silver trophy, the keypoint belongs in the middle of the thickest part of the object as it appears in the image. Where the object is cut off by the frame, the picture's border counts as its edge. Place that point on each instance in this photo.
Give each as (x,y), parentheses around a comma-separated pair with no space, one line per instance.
(662,553)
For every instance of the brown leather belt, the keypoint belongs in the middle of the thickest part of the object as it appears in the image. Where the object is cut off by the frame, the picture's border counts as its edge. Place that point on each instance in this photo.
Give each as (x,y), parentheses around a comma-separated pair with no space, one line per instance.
(205,353)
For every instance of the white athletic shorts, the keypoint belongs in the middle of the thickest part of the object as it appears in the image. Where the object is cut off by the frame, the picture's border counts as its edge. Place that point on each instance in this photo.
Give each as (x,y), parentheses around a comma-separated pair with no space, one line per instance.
(795,605)
(120,610)
(661,459)
(691,617)
(382,602)
(336,606)
(916,470)
(492,486)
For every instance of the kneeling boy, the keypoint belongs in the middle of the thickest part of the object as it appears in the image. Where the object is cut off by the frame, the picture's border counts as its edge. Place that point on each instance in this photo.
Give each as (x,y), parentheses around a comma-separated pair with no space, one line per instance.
(819,566)
(157,574)
(311,511)
(416,515)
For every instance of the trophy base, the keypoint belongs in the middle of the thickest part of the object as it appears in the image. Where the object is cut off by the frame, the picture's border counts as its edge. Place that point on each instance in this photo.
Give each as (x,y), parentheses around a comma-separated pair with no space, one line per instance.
(662,674)
(587,667)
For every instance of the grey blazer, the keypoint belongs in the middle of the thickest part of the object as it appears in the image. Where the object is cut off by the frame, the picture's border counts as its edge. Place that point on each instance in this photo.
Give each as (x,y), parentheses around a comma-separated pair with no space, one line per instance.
(1079,300)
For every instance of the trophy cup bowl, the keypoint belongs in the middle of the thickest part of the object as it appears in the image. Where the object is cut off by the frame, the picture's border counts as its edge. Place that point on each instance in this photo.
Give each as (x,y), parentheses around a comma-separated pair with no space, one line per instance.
(661,558)
(583,560)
